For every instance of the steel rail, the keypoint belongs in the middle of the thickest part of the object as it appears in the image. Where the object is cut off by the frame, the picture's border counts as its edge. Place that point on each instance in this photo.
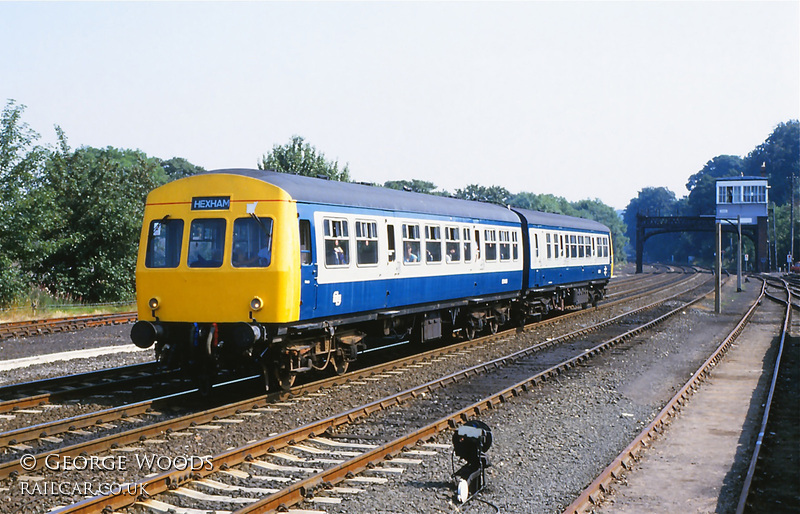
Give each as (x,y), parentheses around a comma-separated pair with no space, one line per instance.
(96,445)
(172,479)
(56,427)
(71,323)
(65,385)
(306,488)
(767,406)
(594,493)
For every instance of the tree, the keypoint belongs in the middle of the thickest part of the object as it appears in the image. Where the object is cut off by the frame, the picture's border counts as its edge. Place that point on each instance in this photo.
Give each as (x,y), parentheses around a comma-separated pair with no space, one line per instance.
(543,203)
(178,167)
(417,186)
(780,155)
(494,194)
(300,158)
(653,201)
(20,173)
(93,202)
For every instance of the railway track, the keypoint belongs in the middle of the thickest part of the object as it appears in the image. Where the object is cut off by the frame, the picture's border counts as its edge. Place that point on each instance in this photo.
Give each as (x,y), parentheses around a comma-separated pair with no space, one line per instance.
(354,379)
(84,384)
(767,483)
(596,492)
(67,324)
(41,392)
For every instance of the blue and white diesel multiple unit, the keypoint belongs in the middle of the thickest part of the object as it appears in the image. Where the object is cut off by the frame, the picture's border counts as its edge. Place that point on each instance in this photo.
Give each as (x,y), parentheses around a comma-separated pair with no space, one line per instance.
(244,267)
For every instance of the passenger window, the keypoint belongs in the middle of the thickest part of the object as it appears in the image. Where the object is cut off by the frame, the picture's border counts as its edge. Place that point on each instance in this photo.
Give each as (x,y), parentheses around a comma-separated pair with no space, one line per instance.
(252,243)
(467,245)
(367,242)
(305,242)
(573,247)
(452,246)
(535,243)
(433,244)
(505,245)
(337,243)
(411,244)
(515,246)
(490,240)
(580,247)
(391,243)
(206,243)
(547,244)
(164,241)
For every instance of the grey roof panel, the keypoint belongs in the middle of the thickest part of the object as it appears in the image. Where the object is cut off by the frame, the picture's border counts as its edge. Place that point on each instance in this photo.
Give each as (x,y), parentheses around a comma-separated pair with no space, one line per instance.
(560,221)
(332,192)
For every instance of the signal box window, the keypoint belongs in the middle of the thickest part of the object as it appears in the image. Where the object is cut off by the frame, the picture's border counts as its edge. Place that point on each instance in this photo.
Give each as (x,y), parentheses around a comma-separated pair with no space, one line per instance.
(433,244)
(452,246)
(206,243)
(164,244)
(367,242)
(337,243)
(411,244)
(252,243)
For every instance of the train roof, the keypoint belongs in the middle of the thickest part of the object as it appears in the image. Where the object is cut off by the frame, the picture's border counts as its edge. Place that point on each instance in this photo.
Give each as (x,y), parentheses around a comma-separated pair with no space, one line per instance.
(349,194)
(548,219)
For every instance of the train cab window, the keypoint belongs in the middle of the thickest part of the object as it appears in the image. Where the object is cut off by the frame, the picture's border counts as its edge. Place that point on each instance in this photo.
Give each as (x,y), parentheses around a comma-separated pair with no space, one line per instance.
(505,245)
(252,243)
(490,241)
(366,242)
(452,245)
(164,241)
(206,243)
(305,242)
(433,244)
(467,245)
(411,244)
(337,243)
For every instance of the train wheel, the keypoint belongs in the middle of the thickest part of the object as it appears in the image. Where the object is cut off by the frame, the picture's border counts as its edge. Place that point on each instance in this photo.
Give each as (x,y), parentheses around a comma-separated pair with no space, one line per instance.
(340,364)
(281,378)
(470,331)
(493,325)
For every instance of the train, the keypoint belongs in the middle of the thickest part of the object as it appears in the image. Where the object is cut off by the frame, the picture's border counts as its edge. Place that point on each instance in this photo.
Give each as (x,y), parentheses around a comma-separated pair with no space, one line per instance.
(282,274)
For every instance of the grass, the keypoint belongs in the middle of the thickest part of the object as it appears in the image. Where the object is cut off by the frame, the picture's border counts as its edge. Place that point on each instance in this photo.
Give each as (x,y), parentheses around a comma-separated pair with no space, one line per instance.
(39,304)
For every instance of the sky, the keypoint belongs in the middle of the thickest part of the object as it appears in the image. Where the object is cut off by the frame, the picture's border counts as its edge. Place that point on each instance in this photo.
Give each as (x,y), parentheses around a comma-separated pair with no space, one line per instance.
(576,99)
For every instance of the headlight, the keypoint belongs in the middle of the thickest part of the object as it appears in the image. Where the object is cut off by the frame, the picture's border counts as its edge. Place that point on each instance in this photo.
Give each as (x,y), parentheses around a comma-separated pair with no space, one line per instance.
(256,304)
(153,303)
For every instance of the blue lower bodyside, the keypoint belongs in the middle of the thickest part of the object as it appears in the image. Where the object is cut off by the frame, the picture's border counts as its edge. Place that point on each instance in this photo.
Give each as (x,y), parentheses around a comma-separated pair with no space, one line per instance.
(347,298)
(567,275)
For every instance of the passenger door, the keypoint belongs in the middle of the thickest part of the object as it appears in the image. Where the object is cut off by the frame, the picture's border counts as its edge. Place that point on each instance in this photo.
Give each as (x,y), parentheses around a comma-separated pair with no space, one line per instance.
(308,268)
